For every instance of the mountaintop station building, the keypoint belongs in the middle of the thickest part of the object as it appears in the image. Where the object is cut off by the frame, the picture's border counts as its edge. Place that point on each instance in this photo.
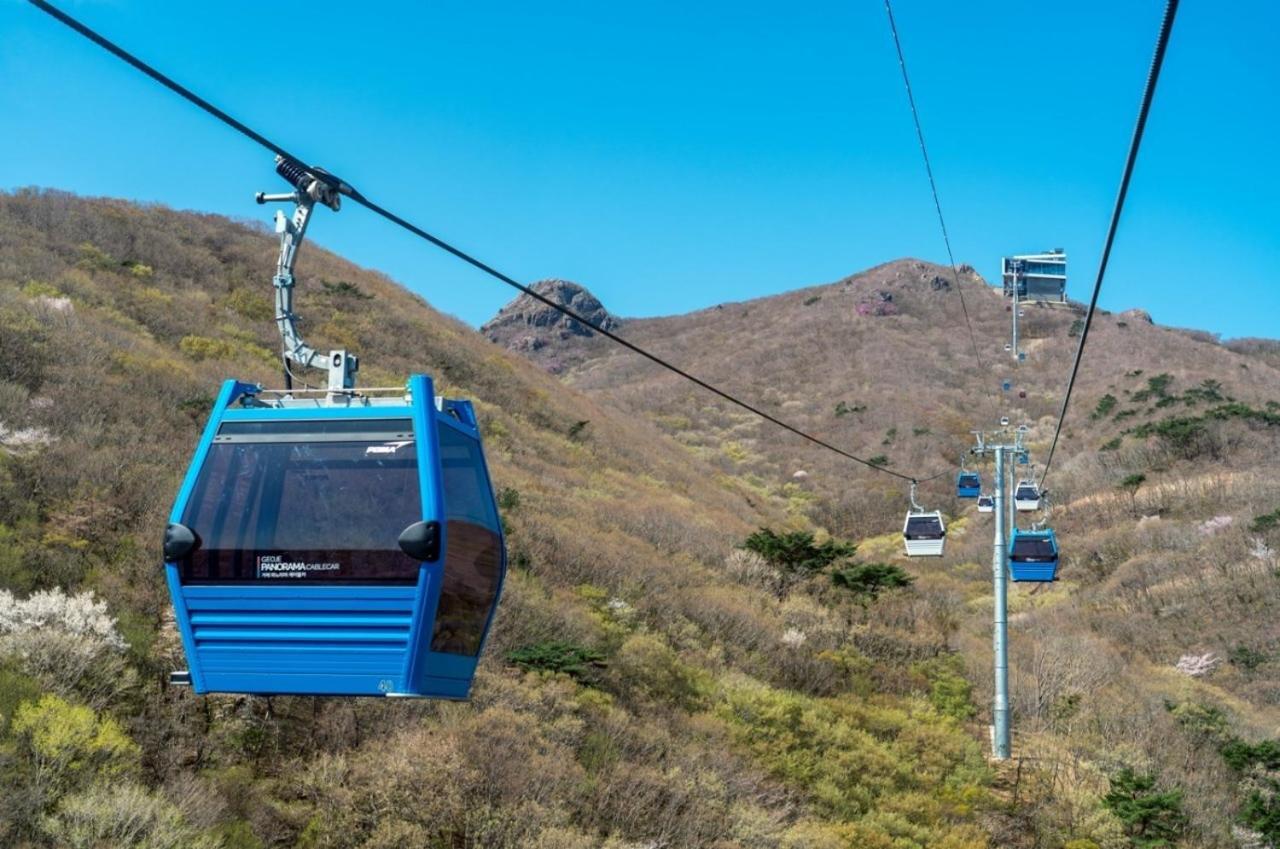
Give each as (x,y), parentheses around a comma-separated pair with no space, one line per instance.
(1038,277)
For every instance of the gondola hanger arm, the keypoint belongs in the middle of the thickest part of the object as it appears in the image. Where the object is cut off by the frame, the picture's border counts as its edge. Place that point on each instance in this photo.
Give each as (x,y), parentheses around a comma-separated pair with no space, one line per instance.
(310,188)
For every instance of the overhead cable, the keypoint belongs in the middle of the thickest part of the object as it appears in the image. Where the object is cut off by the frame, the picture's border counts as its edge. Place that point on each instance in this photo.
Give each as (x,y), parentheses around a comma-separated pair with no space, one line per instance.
(1135,143)
(357,197)
(937,205)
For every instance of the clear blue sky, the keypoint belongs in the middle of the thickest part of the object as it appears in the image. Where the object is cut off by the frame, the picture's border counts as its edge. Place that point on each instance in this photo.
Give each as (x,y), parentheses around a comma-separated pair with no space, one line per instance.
(674,155)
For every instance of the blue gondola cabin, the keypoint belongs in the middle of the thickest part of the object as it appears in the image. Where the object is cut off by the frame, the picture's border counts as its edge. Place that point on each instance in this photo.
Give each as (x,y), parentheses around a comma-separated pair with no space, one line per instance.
(347,547)
(1033,555)
(968,485)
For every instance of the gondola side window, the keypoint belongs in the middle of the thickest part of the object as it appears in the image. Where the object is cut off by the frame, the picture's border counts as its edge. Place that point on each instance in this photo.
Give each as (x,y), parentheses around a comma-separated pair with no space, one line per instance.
(473,547)
(293,510)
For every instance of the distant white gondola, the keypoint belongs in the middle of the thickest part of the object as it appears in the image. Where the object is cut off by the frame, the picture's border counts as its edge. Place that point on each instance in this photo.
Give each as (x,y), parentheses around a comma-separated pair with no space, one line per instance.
(924,534)
(986,504)
(1026,497)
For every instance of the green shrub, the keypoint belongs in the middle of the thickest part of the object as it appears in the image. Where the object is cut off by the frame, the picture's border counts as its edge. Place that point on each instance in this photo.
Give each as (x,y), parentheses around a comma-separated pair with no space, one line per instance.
(40,289)
(508,498)
(843,409)
(1106,404)
(858,762)
(16,687)
(205,348)
(1261,812)
(65,747)
(648,668)
(137,269)
(1111,444)
(1208,390)
(1157,387)
(950,692)
(560,656)
(870,579)
(1152,819)
(808,302)
(344,289)
(1266,522)
(1242,756)
(795,552)
(1187,437)
(879,460)
(1205,723)
(197,406)
(251,304)
(1132,483)
(95,259)
(1246,658)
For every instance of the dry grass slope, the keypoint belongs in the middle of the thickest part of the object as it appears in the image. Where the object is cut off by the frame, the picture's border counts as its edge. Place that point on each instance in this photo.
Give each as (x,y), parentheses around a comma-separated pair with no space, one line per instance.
(707,708)
(1168,457)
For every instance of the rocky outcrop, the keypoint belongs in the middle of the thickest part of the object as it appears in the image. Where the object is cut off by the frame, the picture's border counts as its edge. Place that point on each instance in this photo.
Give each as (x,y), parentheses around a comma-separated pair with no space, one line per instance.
(541,332)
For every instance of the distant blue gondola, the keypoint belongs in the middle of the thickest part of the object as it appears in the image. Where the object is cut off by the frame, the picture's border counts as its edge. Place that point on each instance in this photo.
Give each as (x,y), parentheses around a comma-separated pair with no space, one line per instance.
(1033,555)
(326,548)
(968,485)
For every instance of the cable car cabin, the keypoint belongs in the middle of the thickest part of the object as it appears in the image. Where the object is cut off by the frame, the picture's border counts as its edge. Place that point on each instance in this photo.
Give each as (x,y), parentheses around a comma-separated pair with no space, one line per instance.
(346,547)
(968,485)
(1026,496)
(986,504)
(1033,555)
(924,534)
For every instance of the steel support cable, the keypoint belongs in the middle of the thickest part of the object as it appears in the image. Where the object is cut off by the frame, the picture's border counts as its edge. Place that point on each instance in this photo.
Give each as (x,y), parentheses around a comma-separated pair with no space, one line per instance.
(375,208)
(1148,95)
(937,205)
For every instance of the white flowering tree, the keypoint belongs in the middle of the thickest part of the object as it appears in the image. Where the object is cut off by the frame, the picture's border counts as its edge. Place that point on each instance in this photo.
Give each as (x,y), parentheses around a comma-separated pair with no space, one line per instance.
(69,643)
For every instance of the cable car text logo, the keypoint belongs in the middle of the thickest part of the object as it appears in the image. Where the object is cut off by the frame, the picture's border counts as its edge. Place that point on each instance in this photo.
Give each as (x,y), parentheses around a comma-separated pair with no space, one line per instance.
(273,566)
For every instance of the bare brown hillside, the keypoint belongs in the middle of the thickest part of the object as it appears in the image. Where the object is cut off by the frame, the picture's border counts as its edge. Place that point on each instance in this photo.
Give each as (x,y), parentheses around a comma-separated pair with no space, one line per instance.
(881,364)
(1166,476)
(649,683)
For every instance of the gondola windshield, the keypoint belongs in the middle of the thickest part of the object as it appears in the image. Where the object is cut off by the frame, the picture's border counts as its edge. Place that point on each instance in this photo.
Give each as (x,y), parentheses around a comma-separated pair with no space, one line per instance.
(1033,549)
(923,527)
(305,501)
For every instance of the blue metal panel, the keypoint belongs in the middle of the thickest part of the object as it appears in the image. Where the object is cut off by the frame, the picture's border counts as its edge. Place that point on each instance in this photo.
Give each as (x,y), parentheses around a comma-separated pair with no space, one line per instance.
(320,640)
(462,412)
(453,666)
(183,620)
(231,391)
(431,576)
(1033,572)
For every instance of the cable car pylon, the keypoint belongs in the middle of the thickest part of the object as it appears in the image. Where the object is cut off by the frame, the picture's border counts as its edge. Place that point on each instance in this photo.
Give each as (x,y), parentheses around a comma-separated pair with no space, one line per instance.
(1001,449)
